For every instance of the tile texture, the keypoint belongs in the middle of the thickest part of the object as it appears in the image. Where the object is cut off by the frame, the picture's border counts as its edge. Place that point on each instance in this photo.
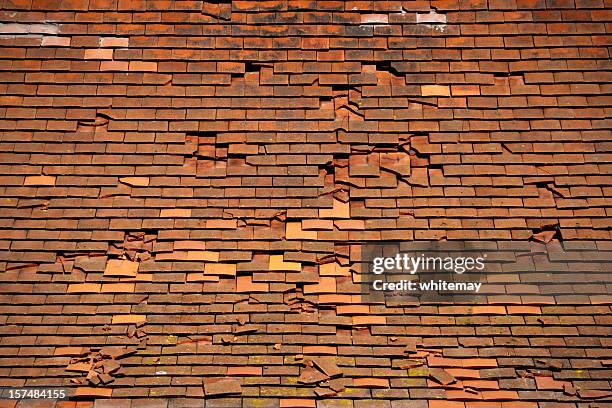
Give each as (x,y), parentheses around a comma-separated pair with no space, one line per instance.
(185,186)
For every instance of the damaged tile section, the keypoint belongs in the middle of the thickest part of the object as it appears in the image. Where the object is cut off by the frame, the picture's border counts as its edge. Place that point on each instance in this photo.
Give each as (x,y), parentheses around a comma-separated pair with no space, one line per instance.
(23,29)
(433,19)
(187,187)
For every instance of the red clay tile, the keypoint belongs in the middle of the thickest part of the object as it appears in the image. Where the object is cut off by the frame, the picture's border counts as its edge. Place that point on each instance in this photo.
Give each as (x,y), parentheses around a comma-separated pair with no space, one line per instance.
(128,319)
(310,375)
(327,366)
(371,382)
(222,387)
(331,350)
(213,168)
(84,288)
(297,403)
(121,268)
(99,54)
(40,181)
(93,392)
(233,371)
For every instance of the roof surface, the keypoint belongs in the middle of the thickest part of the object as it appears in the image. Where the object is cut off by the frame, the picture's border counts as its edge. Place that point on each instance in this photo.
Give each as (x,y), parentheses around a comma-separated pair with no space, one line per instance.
(186,187)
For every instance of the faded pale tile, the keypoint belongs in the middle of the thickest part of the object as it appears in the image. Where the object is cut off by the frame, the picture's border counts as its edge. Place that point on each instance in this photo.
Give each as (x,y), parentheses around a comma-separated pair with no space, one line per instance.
(121,268)
(246,284)
(325,285)
(175,212)
(277,263)
(435,90)
(135,181)
(339,210)
(294,231)
(221,269)
(39,181)
(208,256)
(84,288)
(333,269)
(129,319)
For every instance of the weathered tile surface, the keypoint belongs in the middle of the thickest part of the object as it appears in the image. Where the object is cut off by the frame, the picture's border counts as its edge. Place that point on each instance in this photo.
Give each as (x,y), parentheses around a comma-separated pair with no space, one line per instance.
(185,186)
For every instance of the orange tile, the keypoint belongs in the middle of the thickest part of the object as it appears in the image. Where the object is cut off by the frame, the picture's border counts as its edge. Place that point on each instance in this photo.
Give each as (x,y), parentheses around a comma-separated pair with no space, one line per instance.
(129,319)
(326,285)
(371,382)
(220,269)
(121,268)
(339,210)
(39,181)
(84,288)
(246,284)
(118,287)
(435,90)
(135,181)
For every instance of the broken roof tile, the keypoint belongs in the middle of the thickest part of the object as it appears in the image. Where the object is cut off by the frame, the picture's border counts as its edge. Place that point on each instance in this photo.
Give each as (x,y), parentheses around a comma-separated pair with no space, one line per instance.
(339,210)
(310,375)
(294,232)
(121,268)
(213,169)
(328,366)
(441,376)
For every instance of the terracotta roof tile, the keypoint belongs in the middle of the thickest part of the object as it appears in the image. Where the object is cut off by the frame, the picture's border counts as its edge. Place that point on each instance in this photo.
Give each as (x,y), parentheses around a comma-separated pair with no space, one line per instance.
(196,180)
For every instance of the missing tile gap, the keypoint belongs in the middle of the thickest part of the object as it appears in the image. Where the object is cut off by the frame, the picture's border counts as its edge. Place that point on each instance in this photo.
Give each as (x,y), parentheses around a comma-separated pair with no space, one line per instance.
(217,9)
(552,188)
(418,154)
(328,168)
(250,66)
(104,115)
(101,119)
(547,233)
(350,109)
(506,148)
(332,191)
(387,66)
(112,195)
(422,102)
(341,156)
(202,134)
(347,88)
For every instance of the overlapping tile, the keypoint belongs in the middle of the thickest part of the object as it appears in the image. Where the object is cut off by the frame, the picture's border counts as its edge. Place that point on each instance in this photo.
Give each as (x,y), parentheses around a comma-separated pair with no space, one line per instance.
(211,168)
